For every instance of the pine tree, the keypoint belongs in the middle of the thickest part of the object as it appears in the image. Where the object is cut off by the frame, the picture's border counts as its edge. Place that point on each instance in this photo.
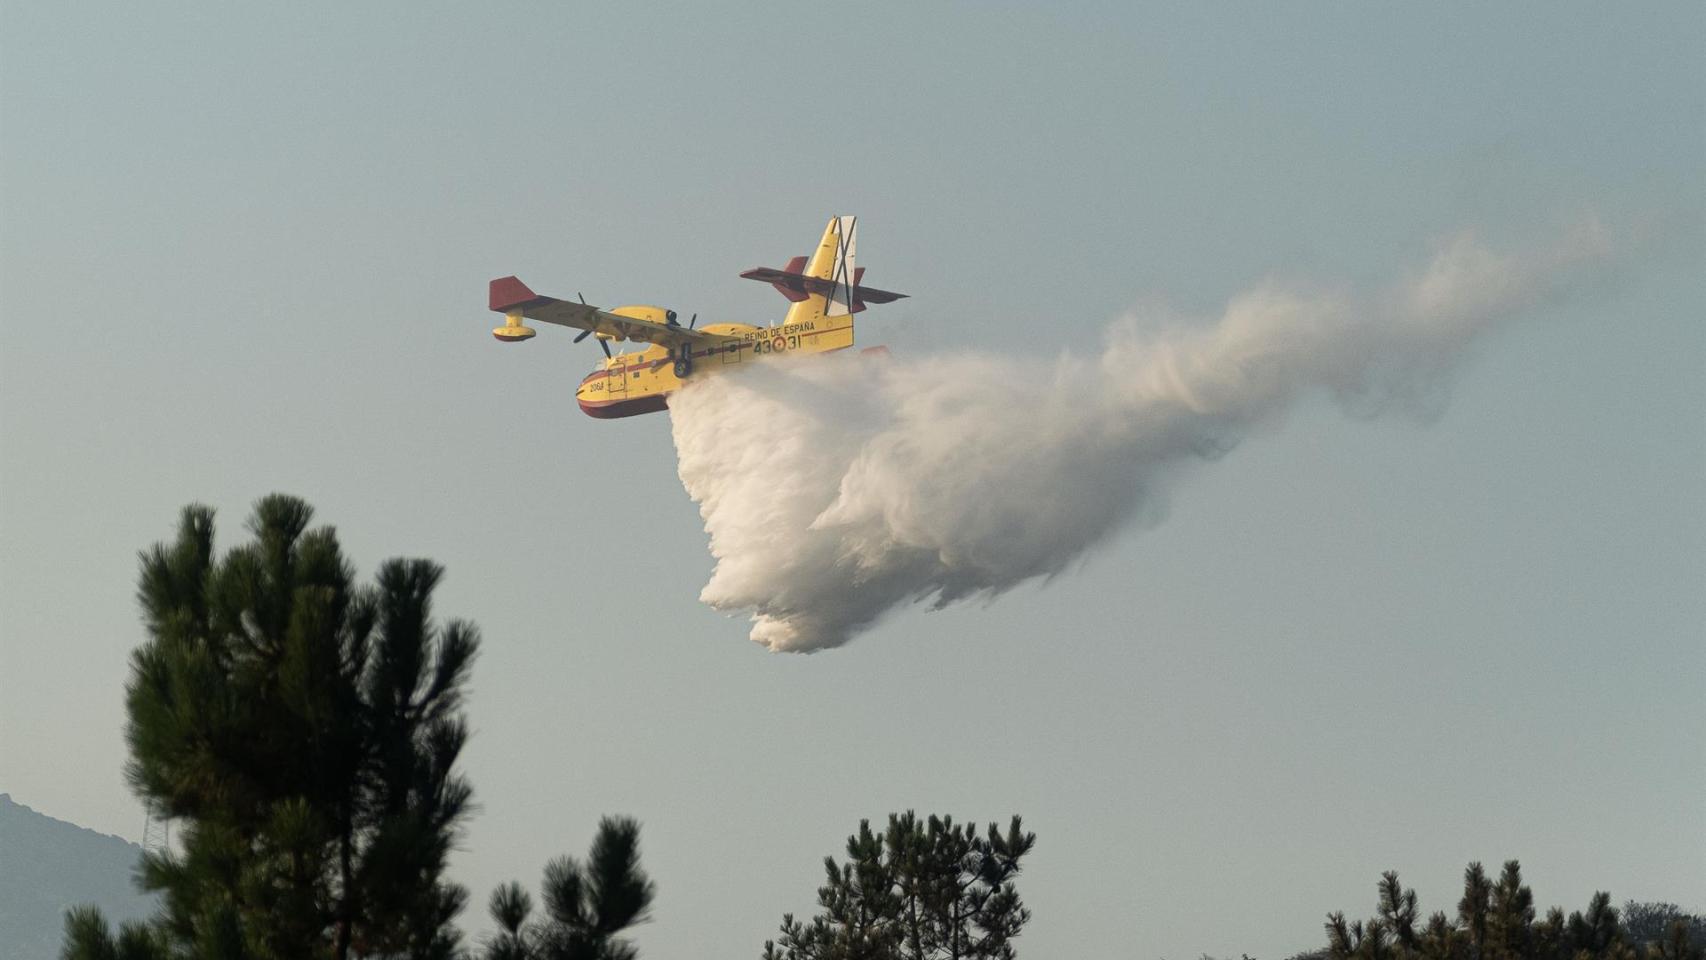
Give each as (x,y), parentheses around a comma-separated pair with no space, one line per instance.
(303,732)
(1510,923)
(1398,910)
(1473,909)
(1597,933)
(921,890)
(587,905)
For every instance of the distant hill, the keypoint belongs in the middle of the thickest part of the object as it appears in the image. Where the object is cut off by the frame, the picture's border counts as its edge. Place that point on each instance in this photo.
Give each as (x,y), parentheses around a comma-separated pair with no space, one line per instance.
(47,865)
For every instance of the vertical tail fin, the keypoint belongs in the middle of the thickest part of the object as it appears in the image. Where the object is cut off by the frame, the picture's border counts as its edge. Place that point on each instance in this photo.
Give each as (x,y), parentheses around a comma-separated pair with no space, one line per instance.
(832,261)
(843,274)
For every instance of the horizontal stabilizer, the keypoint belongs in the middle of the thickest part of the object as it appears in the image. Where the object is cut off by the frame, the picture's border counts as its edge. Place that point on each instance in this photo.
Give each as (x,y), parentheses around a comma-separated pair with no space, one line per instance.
(797,286)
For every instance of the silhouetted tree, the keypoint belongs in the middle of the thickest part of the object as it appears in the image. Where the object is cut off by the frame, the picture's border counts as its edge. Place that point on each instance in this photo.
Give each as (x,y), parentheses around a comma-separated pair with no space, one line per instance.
(1510,922)
(587,905)
(303,732)
(921,890)
(87,937)
(1496,921)
(1656,923)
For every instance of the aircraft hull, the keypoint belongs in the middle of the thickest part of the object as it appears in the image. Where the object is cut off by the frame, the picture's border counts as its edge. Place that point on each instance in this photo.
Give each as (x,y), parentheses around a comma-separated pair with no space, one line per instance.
(617,409)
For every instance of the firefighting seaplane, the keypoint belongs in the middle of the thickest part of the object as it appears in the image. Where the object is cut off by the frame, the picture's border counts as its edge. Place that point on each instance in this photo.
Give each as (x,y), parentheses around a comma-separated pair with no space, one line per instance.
(824,291)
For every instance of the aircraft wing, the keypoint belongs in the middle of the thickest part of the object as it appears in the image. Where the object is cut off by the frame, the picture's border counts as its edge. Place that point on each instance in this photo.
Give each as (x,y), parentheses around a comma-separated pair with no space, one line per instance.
(510,295)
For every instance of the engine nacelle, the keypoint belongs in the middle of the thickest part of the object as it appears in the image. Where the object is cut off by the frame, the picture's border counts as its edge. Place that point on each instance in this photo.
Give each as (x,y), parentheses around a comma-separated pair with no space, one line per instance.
(647,313)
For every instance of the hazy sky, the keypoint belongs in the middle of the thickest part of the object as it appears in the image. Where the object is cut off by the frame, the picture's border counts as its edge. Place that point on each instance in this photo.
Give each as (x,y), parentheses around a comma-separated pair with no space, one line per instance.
(245,248)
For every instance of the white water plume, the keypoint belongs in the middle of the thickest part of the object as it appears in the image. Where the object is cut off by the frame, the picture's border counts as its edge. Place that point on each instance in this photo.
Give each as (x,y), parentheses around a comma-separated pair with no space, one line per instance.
(836,488)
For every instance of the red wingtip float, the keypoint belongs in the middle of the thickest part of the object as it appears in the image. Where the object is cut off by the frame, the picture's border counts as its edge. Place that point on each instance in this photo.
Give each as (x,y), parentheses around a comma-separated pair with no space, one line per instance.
(824,290)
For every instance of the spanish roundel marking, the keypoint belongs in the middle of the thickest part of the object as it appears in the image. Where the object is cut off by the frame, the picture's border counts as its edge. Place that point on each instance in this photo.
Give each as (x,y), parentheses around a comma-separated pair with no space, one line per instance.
(779,344)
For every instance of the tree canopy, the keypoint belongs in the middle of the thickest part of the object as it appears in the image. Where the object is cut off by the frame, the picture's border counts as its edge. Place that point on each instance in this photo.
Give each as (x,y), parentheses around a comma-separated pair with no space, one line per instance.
(1496,920)
(587,905)
(921,890)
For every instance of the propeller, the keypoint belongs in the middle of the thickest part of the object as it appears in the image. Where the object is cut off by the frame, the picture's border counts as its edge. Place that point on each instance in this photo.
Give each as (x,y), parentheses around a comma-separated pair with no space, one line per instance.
(587,333)
(601,341)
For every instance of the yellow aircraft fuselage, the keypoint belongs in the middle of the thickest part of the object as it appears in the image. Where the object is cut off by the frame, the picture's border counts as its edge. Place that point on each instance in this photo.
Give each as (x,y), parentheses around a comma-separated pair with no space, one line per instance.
(640,382)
